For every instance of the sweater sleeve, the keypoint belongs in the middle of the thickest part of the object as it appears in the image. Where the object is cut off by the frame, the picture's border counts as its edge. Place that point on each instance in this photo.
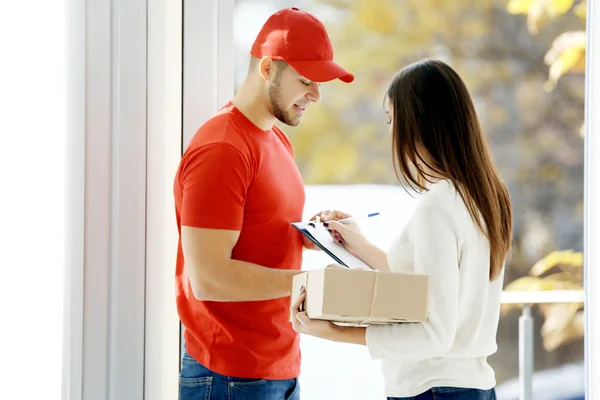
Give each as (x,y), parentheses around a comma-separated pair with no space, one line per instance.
(435,253)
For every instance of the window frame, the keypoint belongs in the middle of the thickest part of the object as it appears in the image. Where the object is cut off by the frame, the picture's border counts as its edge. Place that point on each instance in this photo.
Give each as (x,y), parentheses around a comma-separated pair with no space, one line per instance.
(127,108)
(591,197)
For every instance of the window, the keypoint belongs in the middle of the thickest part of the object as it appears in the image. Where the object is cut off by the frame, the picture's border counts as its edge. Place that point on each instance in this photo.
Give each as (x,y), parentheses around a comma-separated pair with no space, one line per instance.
(533,117)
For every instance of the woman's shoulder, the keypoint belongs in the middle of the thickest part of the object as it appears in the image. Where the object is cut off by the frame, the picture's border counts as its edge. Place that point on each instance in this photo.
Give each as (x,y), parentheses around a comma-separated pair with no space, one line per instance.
(440,206)
(440,197)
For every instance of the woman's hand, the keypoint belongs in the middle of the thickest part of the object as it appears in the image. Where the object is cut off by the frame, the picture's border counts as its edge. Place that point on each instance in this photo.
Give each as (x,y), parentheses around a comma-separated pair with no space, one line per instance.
(348,235)
(302,324)
(324,329)
(323,215)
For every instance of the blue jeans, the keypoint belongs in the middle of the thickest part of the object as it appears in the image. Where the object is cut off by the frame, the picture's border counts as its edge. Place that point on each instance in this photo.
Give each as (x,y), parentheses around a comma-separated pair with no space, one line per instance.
(452,393)
(197,382)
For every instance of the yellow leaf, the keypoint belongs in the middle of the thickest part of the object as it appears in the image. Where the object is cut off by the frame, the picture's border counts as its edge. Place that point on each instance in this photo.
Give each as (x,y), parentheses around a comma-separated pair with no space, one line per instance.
(567,54)
(538,11)
(519,6)
(581,10)
(575,285)
(563,323)
(577,259)
(555,8)
(545,264)
(376,15)
(559,277)
(535,17)
(530,283)
(557,315)
(566,257)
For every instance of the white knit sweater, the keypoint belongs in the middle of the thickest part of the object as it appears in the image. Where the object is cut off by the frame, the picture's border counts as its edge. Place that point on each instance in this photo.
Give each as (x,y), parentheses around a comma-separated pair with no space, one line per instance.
(452,346)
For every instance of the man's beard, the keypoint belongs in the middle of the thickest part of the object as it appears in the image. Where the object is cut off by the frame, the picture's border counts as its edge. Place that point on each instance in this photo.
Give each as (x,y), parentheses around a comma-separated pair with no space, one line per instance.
(276,108)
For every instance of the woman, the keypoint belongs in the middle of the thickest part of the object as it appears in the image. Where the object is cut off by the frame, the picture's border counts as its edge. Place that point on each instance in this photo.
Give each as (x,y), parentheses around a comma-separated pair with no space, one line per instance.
(459,235)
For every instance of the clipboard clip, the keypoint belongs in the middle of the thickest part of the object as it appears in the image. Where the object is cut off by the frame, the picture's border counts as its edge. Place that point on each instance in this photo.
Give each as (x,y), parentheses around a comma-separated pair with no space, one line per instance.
(316,223)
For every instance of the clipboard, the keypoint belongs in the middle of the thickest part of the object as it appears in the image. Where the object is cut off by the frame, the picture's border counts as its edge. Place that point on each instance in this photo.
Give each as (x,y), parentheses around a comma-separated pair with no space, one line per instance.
(336,251)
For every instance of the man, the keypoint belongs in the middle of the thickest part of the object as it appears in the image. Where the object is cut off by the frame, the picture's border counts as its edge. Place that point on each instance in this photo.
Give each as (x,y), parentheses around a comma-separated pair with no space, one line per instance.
(237,191)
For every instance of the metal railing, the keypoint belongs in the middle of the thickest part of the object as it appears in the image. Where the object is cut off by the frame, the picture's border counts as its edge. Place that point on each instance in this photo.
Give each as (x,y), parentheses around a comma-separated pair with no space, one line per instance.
(526,349)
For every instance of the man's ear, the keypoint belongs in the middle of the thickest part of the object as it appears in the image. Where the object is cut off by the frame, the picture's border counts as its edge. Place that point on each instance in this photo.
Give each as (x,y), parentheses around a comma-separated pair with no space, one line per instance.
(266,68)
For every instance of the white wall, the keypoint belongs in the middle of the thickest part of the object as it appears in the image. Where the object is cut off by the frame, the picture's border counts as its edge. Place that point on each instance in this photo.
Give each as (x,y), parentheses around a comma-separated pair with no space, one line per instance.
(33,104)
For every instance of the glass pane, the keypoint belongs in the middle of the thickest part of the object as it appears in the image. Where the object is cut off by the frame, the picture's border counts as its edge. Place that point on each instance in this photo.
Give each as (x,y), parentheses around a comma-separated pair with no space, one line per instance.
(525,70)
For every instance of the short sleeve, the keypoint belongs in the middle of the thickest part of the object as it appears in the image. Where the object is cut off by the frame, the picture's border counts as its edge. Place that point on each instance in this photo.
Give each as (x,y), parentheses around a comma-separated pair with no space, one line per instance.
(215,181)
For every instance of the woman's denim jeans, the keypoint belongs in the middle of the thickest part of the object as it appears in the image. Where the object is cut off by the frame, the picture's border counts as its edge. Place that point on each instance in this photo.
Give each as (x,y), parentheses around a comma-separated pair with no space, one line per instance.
(452,393)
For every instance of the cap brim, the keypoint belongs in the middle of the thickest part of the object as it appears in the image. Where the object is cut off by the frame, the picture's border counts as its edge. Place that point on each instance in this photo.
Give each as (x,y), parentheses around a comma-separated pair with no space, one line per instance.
(321,71)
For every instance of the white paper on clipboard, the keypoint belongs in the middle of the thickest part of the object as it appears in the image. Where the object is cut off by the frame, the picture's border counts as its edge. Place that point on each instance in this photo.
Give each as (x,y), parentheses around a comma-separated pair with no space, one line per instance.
(323,239)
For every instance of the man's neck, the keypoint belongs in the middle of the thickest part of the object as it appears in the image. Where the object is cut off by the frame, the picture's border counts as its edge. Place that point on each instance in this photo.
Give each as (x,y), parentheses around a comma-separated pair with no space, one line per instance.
(248,101)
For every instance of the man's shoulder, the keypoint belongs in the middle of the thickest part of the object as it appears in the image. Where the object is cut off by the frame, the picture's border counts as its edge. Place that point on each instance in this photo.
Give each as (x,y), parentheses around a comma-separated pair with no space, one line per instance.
(220,129)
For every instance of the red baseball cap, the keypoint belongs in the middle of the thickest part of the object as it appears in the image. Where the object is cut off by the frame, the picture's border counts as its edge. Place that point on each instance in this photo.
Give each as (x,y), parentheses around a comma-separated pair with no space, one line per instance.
(301,40)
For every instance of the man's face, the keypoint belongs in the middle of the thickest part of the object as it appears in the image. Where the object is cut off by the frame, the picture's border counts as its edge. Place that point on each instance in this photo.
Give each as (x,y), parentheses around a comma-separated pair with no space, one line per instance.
(290,95)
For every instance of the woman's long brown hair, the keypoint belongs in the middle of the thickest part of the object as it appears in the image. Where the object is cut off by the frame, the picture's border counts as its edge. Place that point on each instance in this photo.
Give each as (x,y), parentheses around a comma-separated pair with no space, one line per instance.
(433,112)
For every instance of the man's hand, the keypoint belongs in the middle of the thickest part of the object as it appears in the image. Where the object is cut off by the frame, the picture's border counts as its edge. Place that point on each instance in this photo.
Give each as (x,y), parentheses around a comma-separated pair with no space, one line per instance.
(309,244)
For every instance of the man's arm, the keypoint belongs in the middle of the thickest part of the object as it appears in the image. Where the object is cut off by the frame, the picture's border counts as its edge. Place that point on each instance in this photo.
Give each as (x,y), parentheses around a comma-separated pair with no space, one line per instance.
(214,276)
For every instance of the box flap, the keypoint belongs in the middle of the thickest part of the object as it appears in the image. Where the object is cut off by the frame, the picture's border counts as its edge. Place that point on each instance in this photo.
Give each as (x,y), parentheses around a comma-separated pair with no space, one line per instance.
(315,293)
(297,283)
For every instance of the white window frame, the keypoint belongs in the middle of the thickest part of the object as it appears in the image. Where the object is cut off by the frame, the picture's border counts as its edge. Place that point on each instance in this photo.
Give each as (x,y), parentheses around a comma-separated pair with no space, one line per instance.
(208,64)
(106,269)
(126,132)
(592,202)
(125,141)
(164,152)
(208,70)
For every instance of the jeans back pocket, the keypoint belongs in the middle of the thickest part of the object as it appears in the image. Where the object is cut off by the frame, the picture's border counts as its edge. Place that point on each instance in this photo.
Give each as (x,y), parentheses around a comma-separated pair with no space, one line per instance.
(195,388)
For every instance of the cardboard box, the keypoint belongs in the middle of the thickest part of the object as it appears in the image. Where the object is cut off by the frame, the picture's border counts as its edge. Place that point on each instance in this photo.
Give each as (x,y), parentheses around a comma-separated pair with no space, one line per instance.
(360,297)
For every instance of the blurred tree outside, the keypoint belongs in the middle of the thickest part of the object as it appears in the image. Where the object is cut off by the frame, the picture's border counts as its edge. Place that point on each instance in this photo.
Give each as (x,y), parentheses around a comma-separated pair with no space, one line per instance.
(523,61)
(560,270)
(534,132)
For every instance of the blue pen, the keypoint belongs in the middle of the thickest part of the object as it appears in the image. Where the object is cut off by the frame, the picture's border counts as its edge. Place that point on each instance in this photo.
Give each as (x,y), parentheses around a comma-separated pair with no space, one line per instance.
(343,221)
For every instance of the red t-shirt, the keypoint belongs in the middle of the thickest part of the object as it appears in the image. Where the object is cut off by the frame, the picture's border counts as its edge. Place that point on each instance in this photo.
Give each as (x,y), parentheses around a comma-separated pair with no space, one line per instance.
(235,176)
